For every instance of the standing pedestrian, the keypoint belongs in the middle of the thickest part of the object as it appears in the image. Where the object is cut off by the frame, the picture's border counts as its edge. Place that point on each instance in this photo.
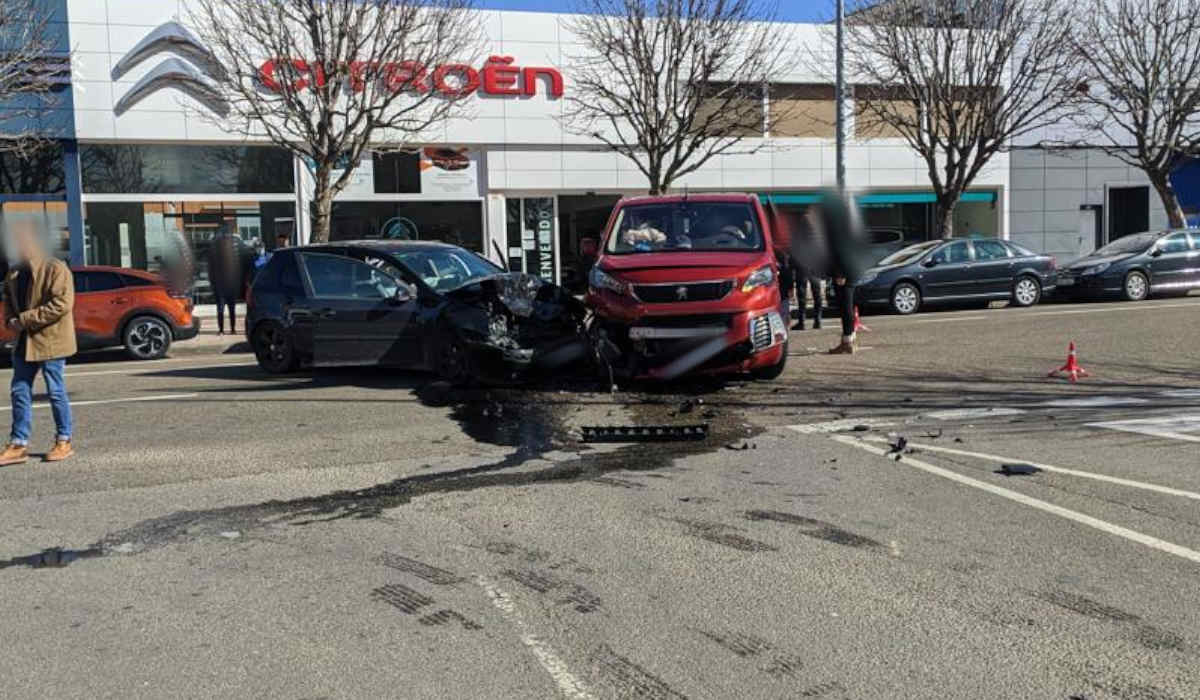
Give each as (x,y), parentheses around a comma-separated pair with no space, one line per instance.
(807,278)
(40,296)
(844,291)
(787,281)
(225,276)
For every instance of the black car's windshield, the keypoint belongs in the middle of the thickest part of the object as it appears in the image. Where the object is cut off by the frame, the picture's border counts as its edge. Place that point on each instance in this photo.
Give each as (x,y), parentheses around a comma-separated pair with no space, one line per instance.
(444,269)
(1128,244)
(685,226)
(909,254)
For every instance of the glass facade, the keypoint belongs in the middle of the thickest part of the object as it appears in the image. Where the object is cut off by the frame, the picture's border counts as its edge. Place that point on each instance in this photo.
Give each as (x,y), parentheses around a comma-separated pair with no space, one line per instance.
(182,169)
(459,223)
(40,172)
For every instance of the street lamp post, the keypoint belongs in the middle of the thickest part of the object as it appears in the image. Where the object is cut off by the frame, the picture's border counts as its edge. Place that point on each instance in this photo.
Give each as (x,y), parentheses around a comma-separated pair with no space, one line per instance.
(840,96)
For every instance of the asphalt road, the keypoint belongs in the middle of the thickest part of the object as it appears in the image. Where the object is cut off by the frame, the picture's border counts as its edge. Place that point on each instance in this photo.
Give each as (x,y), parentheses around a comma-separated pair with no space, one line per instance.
(360,533)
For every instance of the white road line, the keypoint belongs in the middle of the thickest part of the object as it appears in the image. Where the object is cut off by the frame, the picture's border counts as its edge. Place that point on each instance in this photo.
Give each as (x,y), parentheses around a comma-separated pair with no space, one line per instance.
(1102,525)
(1094,402)
(570,686)
(1109,308)
(162,397)
(969,413)
(1166,427)
(1181,393)
(834,426)
(999,459)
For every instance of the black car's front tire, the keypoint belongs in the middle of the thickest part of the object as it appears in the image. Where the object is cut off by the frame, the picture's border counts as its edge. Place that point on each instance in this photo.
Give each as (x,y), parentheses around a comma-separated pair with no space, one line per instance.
(906,298)
(1026,291)
(273,348)
(1136,286)
(451,360)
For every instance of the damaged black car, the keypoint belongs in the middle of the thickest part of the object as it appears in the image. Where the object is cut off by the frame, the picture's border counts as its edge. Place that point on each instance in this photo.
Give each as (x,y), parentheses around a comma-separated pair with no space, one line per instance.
(412,305)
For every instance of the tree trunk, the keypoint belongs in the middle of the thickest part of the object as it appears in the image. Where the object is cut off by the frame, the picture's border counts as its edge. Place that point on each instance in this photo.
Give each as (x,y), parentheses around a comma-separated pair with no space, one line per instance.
(321,206)
(944,215)
(1170,200)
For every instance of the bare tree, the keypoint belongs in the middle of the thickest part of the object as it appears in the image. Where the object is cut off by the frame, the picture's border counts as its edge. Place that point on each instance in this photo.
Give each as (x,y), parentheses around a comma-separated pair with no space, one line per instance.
(32,68)
(332,80)
(670,84)
(958,80)
(1142,89)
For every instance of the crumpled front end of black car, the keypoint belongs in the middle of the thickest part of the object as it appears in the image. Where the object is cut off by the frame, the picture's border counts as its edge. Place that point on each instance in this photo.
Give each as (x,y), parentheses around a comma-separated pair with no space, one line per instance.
(516,325)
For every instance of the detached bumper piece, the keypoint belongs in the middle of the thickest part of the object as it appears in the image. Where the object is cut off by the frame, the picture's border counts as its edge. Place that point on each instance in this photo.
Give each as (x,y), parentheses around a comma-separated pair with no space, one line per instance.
(645,433)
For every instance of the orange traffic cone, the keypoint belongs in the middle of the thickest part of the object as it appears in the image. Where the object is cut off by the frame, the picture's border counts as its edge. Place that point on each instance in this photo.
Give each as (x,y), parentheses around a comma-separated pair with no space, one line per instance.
(858,324)
(1072,368)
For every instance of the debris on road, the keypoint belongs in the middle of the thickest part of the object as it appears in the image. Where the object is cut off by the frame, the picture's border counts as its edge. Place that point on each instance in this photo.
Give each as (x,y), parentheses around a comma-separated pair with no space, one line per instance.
(1017,469)
(644,433)
(745,445)
(932,435)
(897,447)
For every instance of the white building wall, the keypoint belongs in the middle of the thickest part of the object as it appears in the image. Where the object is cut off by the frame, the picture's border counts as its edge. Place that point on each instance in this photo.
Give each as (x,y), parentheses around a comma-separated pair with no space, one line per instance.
(1049,187)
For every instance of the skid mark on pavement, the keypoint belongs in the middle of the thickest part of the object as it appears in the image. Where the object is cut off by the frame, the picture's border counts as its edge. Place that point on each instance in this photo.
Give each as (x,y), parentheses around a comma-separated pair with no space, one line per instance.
(444,617)
(578,597)
(421,570)
(817,529)
(1045,506)
(631,680)
(716,533)
(567,683)
(746,646)
(401,597)
(1147,635)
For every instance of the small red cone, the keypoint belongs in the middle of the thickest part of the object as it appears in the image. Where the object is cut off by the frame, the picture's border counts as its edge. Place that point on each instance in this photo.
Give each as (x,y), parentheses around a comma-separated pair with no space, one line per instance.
(1072,368)
(858,324)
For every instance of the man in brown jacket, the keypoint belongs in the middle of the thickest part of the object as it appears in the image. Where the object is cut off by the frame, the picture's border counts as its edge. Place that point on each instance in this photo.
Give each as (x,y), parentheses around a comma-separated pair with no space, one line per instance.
(39,297)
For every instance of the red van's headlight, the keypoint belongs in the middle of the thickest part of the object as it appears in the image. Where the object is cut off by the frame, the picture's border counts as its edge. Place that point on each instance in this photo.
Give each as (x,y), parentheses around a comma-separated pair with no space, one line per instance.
(599,279)
(761,277)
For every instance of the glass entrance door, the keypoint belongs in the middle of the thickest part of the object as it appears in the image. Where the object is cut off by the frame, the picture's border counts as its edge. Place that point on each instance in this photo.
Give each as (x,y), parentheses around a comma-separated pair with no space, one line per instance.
(531,224)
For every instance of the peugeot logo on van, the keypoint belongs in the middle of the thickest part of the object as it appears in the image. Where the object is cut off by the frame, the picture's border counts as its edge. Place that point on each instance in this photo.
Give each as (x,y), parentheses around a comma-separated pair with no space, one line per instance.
(192,70)
(681,293)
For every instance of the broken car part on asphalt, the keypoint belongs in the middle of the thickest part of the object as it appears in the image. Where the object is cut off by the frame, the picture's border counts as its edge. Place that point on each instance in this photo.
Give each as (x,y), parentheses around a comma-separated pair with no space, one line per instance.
(644,433)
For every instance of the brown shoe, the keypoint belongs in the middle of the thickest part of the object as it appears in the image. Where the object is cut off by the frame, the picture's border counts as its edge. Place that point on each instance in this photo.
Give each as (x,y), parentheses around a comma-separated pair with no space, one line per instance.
(61,450)
(14,454)
(844,348)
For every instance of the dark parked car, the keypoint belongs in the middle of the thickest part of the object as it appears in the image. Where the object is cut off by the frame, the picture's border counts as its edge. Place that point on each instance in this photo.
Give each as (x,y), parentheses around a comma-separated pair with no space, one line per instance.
(1135,266)
(957,270)
(410,304)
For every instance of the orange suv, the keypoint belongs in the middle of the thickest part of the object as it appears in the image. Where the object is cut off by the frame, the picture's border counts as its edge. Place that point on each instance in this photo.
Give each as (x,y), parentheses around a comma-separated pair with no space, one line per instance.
(132,308)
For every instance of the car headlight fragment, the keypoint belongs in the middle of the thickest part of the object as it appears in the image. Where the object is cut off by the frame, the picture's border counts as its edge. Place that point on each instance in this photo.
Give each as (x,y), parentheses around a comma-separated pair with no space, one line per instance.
(761,277)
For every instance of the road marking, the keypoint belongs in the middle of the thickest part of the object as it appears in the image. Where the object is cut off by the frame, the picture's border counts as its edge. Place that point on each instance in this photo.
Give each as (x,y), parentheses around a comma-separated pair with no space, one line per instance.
(163,397)
(1181,393)
(968,413)
(143,369)
(1051,468)
(1094,402)
(570,686)
(1172,427)
(1102,525)
(834,426)
(1107,309)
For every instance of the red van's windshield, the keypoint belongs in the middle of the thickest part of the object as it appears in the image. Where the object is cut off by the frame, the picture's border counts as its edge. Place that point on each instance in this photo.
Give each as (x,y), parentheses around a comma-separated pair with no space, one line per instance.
(685,226)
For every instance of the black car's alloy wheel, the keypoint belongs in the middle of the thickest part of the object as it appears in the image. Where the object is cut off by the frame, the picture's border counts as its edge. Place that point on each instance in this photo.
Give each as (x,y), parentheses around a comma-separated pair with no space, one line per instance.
(906,298)
(1136,287)
(147,338)
(1026,291)
(452,361)
(273,348)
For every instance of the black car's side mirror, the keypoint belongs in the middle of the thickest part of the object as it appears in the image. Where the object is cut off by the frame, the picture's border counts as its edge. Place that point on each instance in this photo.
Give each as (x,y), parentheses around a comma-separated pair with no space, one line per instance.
(1156,252)
(930,262)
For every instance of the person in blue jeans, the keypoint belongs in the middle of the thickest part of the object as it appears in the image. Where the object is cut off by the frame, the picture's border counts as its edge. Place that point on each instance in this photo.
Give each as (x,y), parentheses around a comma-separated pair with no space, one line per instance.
(39,297)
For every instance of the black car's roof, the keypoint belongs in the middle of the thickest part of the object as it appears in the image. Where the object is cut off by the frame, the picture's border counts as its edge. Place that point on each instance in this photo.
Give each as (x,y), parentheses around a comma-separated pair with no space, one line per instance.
(388,245)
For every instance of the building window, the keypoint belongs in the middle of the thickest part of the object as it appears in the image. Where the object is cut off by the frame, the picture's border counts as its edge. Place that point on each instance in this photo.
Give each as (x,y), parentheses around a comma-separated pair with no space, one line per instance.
(802,111)
(891,101)
(735,109)
(38,172)
(181,169)
(460,223)
(397,173)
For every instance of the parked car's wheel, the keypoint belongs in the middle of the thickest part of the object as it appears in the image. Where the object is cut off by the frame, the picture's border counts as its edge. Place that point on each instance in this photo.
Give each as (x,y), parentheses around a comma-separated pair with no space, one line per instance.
(452,361)
(1136,287)
(773,371)
(147,338)
(1026,291)
(273,348)
(906,298)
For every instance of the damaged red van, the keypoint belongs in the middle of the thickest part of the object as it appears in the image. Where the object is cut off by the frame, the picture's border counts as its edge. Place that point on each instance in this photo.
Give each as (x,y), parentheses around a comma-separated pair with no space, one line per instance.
(689,283)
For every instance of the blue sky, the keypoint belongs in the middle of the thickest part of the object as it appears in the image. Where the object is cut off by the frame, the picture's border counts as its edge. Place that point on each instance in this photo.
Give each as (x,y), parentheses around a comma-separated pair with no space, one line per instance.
(789,10)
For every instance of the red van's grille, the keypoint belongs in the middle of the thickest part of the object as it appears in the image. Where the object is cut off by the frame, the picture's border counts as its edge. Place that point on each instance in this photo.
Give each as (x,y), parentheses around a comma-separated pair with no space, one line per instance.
(688,291)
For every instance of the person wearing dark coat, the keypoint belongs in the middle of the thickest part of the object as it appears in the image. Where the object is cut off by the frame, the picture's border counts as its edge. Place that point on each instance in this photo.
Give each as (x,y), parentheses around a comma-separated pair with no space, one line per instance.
(226,276)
